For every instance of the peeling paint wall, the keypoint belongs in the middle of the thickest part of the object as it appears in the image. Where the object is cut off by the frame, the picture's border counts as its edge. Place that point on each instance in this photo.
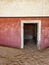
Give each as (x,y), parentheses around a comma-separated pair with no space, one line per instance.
(24,8)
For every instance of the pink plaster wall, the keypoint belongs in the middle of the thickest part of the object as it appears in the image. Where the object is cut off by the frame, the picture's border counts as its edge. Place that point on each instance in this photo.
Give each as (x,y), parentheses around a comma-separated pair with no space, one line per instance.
(10,31)
(45,38)
(45,33)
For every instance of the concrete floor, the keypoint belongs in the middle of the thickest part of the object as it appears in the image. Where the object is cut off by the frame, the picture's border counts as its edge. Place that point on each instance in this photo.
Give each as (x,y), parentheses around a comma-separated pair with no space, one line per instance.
(30,55)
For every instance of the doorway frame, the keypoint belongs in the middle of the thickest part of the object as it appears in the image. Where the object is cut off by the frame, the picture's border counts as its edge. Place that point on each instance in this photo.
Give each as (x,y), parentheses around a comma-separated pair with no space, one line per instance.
(38,22)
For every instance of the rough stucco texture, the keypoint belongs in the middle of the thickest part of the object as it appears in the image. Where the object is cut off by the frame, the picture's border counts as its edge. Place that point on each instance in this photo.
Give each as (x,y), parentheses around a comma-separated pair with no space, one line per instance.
(10,31)
(45,38)
(45,34)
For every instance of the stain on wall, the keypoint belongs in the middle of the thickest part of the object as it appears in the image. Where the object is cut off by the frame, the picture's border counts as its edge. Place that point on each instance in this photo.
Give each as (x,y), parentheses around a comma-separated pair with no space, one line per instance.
(8,1)
(35,1)
(20,0)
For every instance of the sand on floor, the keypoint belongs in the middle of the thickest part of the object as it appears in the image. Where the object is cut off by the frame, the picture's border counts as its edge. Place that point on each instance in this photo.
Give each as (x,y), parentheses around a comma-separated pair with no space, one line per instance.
(30,55)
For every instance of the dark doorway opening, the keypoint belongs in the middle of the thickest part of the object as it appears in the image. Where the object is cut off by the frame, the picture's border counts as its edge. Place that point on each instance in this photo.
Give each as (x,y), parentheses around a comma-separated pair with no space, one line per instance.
(30,34)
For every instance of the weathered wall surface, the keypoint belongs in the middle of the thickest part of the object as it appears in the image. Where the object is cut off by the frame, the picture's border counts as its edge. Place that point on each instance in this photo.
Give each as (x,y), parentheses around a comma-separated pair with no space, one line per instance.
(10,31)
(24,8)
(45,33)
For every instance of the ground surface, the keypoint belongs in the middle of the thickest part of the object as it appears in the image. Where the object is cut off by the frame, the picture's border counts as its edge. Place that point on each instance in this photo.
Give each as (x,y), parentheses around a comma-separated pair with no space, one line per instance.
(30,55)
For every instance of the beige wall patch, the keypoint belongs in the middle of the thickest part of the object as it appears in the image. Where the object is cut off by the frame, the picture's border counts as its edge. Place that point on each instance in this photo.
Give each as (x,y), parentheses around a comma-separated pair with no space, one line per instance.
(24,8)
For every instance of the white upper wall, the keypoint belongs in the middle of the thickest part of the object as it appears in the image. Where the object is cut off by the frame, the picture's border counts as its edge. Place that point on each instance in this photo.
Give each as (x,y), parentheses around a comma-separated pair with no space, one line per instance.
(24,8)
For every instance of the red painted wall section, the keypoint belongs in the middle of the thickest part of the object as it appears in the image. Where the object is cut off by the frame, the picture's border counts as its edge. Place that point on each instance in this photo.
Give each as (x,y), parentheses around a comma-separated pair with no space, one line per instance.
(10,31)
(45,33)
(44,42)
